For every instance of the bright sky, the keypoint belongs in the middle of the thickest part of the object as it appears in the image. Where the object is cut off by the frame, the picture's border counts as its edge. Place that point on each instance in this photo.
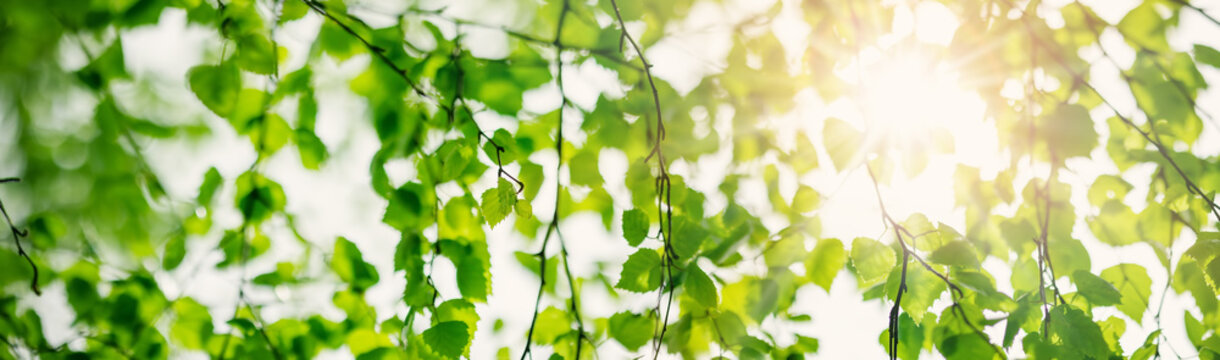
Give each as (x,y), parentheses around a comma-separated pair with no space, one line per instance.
(904,94)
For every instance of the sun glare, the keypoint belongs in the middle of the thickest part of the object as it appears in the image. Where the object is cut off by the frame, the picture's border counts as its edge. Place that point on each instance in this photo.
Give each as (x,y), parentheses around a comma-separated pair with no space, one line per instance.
(909,93)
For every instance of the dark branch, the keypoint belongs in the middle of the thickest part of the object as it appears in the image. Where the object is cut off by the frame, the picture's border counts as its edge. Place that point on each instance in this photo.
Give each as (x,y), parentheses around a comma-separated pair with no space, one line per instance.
(17,235)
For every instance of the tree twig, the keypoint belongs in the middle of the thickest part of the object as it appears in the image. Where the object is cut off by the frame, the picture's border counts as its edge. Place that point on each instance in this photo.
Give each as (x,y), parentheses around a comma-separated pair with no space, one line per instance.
(17,235)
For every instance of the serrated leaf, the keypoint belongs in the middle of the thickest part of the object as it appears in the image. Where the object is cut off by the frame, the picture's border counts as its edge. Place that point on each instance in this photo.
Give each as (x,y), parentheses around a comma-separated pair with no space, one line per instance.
(498,202)
(635,226)
(447,338)
(956,253)
(700,287)
(641,273)
(630,329)
(824,263)
(1136,287)
(1098,291)
(872,259)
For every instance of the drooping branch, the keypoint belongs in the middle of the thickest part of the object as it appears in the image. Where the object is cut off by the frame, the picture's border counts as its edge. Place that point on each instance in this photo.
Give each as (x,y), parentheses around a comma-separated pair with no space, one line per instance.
(17,235)
(955,291)
(1078,78)
(663,182)
(553,227)
(607,54)
(1198,10)
(380,54)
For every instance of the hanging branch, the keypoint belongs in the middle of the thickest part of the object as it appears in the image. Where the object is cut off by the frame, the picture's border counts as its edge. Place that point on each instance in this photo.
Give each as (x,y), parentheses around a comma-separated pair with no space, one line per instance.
(955,291)
(663,183)
(553,227)
(607,54)
(379,53)
(1078,78)
(1177,84)
(17,235)
(1045,266)
(1198,10)
(563,248)
(248,208)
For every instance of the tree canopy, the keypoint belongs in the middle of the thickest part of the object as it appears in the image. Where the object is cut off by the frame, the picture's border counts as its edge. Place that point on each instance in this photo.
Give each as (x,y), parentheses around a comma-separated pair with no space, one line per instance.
(587,179)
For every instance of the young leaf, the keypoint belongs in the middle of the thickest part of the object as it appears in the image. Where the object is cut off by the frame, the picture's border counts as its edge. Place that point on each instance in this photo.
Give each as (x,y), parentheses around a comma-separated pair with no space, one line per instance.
(641,273)
(871,258)
(630,329)
(1098,291)
(216,86)
(1136,287)
(448,338)
(700,287)
(635,226)
(824,263)
(498,202)
(349,264)
(956,253)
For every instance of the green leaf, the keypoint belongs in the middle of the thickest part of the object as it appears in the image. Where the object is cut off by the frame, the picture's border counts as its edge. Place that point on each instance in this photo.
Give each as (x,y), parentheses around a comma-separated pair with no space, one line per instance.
(872,259)
(498,202)
(1098,291)
(824,263)
(1136,287)
(923,288)
(211,181)
(1107,187)
(688,237)
(1144,27)
(635,226)
(1079,334)
(1116,224)
(842,141)
(216,86)
(348,263)
(256,54)
(1207,55)
(700,287)
(641,273)
(311,149)
(1069,131)
(447,338)
(258,197)
(105,67)
(193,325)
(631,329)
(459,310)
(806,199)
(583,168)
(956,253)
(175,251)
(551,324)
(1149,348)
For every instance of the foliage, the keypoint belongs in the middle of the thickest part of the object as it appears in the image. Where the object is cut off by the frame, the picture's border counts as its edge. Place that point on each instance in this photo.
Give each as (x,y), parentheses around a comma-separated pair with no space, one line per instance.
(94,224)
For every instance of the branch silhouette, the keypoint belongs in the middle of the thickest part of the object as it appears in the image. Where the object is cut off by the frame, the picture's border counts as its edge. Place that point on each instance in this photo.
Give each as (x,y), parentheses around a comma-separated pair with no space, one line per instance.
(17,235)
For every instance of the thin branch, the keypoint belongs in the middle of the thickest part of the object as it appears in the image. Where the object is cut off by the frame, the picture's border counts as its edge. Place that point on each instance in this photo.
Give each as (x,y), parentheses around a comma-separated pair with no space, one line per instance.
(1160,147)
(17,235)
(1198,10)
(955,292)
(553,227)
(663,183)
(379,53)
(608,54)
